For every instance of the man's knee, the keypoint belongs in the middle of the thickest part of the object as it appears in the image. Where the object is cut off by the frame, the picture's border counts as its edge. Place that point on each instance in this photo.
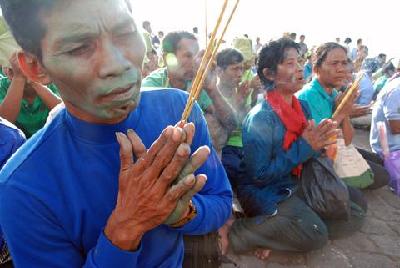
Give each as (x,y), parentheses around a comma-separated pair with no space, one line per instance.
(309,233)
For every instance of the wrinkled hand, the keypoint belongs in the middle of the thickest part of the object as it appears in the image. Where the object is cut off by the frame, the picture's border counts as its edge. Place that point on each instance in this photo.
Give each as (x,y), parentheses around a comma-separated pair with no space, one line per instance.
(322,135)
(195,162)
(146,196)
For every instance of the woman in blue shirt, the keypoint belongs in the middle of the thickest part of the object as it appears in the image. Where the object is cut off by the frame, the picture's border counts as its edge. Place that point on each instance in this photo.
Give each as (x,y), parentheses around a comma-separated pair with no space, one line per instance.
(277,140)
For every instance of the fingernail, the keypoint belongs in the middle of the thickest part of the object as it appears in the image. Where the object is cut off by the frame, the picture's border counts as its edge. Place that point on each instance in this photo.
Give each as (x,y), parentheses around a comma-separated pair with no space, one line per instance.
(118,135)
(176,136)
(130,131)
(190,180)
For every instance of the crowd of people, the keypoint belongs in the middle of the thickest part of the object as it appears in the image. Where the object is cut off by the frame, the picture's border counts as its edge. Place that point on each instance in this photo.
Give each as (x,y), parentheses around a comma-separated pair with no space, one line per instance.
(98,170)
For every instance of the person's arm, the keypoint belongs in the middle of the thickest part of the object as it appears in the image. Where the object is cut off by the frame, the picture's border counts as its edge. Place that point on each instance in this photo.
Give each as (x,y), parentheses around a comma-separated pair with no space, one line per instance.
(11,104)
(214,201)
(49,98)
(347,129)
(12,96)
(221,108)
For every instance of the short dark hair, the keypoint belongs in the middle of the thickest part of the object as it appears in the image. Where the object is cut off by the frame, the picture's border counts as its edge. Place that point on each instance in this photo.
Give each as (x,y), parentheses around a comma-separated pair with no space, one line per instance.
(324,49)
(145,23)
(228,56)
(23,18)
(388,67)
(381,55)
(271,55)
(171,40)
(348,40)
(359,41)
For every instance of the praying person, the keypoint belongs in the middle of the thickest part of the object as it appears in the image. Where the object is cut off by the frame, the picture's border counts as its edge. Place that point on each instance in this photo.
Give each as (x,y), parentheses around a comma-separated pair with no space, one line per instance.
(277,139)
(112,180)
(321,96)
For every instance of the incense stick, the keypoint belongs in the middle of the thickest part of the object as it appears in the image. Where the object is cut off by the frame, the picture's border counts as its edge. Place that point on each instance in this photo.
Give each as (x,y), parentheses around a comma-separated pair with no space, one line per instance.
(207,61)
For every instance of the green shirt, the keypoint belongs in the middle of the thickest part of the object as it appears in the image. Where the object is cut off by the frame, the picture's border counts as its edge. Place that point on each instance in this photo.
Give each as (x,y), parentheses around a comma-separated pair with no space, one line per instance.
(380,83)
(31,117)
(319,101)
(159,79)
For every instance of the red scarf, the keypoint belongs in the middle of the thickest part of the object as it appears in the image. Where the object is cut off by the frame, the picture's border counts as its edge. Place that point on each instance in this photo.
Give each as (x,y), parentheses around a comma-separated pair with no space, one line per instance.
(293,119)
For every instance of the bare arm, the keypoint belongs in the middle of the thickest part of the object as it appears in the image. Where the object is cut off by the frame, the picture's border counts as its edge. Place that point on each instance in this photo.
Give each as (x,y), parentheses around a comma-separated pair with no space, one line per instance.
(348,130)
(49,98)
(222,109)
(11,105)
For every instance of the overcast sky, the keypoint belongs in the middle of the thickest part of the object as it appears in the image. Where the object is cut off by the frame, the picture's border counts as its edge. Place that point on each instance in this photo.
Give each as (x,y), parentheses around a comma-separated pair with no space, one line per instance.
(320,21)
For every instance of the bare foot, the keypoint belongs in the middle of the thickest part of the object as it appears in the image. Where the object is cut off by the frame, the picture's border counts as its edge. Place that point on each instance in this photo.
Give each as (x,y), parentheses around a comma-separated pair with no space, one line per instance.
(223,240)
(262,254)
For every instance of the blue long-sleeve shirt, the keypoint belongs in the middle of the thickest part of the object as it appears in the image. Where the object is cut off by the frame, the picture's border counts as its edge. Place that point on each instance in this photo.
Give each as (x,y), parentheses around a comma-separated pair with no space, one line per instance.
(268,166)
(58,191)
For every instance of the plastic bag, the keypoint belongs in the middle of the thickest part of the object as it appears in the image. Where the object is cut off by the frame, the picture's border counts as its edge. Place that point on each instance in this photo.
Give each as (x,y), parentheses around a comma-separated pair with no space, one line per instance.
(324,191)
(392,165)
(351,167)
(391,159)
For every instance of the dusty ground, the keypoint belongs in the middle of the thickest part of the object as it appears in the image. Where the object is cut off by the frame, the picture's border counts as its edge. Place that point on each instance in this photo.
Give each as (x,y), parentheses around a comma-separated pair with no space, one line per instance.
(376,245)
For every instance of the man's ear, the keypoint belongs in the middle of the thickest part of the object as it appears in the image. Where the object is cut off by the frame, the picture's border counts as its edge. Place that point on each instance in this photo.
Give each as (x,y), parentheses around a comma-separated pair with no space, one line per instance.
(315,69)
(32,68)
(269,74)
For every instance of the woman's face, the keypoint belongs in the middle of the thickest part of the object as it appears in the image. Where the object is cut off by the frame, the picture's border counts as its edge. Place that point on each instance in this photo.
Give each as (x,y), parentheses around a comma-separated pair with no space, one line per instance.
(289,73)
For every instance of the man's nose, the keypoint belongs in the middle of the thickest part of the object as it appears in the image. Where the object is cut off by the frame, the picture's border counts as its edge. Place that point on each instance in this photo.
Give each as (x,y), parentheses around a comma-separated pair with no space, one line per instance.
(113,62)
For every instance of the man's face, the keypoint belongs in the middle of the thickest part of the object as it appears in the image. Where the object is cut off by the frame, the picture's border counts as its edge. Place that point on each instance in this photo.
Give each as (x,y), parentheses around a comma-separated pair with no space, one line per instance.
(94,58)
(185,58)
(232,75)
(333,71)
(289,73)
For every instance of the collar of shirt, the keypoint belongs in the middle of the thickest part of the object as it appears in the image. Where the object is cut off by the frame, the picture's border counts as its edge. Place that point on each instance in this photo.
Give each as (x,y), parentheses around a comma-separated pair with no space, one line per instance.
(318,87)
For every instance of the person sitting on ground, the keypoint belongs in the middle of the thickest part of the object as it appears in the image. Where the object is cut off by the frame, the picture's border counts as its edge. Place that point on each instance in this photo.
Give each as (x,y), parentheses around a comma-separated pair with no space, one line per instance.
(230,64)
(114,179)
(366,87)
(277,140)
(181,54)
(330,69)
(25,103)
(387,110)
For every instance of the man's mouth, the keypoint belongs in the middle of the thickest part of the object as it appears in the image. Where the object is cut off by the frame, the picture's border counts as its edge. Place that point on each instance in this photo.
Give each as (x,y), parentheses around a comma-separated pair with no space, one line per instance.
(119,94)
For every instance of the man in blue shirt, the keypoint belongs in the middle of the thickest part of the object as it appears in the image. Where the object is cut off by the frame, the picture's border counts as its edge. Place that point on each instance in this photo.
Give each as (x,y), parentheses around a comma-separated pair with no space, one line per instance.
(387,110)
(83,193)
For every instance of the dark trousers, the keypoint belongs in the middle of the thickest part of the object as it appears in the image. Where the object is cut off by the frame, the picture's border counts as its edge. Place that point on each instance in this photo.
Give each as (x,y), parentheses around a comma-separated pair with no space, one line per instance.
(295,228)
(381,176)
(232,160)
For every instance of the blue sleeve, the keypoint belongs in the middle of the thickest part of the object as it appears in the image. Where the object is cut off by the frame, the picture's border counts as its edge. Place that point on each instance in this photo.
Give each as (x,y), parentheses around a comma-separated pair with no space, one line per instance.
(45,243)
(391,106)
(366,91)
(214,201)
(10,140)
(264,158)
